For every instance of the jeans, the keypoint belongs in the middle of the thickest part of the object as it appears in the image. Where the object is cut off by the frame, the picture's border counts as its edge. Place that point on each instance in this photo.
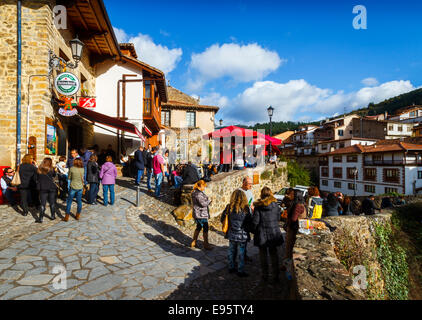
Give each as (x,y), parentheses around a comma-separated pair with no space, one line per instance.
(263,256)
(139,176)
(51,196)
(158,182)
(107,187)
(72,194)
(25,194)
(85,182)
(10,196)
(168,177)
(239,248)
(93,192)
(149,177)
(177,181)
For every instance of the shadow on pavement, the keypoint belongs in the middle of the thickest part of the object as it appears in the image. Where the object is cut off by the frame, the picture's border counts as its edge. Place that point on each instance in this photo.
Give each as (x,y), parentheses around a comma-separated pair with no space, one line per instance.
(206,283)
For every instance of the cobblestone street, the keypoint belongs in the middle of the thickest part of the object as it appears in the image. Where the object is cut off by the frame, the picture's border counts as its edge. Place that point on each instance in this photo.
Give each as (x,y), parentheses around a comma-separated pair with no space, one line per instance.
(121,252)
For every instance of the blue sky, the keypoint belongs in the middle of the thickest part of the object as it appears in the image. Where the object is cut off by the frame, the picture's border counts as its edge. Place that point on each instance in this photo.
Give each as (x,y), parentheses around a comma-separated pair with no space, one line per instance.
(302,57)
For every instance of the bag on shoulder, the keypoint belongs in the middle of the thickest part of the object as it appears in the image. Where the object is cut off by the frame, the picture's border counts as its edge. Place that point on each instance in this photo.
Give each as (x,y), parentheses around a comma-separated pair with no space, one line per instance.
(225,220)
(16,181)
(316,212)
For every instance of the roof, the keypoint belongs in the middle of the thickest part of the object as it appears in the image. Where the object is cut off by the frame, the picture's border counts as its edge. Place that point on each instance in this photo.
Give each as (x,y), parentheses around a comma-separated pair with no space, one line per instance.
(178,99)
(378,147)
(284,136)
(407,109)
(129,47)
(346,139)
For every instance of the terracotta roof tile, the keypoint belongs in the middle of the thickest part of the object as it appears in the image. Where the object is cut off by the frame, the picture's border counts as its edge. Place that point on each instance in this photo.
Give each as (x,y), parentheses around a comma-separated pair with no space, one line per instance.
(378,147)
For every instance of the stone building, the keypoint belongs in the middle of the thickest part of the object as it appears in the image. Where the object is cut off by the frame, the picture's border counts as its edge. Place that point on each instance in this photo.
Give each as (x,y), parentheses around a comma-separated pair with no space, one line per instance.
(40,101)
(185,121)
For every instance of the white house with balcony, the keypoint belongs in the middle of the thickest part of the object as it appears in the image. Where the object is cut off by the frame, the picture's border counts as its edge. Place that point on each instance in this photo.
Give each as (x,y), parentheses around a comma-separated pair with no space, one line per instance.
(377,169)
(412,114)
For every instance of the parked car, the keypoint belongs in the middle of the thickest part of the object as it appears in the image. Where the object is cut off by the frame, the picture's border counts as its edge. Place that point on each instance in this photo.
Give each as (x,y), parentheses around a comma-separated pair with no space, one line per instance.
(280,195)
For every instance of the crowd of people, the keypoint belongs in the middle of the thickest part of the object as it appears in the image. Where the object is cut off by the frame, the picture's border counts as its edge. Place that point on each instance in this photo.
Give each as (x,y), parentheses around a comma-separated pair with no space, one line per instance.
(263,218)
(67,179)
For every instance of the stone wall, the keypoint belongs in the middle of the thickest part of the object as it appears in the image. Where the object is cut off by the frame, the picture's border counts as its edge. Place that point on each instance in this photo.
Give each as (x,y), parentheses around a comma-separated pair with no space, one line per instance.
(222,186)
(38,36)
(319,274)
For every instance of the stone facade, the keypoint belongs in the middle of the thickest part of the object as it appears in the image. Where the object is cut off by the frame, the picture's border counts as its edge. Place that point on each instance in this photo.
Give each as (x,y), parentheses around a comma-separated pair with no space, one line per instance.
(222,186)
(39,34)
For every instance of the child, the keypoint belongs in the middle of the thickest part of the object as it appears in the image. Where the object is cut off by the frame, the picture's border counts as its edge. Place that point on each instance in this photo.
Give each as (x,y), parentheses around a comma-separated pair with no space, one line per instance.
(201,214)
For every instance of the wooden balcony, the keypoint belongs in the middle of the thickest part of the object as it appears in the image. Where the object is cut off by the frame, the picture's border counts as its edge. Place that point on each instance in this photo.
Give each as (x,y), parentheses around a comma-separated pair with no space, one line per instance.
(402,162)
(152,117)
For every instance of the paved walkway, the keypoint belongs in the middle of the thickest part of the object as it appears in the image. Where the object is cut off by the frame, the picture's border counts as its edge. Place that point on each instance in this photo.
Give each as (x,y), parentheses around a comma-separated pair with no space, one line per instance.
(121,252)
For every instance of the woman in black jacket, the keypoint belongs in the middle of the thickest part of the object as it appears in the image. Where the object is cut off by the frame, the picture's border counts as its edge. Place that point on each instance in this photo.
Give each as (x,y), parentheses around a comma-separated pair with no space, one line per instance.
(239,216)
(93,178)
(268,235)
(28,186)
(47,188)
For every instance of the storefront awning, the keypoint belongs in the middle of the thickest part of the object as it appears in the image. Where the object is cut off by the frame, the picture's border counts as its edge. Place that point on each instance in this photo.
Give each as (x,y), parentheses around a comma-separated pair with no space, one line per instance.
(109,121)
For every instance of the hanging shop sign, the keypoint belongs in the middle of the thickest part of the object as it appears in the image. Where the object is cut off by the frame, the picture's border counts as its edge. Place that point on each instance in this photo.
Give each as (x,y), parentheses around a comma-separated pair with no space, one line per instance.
(67,84)
(67,109)
(88,103)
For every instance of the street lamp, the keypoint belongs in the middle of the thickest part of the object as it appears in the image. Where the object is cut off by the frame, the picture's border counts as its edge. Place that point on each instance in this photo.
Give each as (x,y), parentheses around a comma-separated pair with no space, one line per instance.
(76,46)
(221,122)
(355,174)
(270,114)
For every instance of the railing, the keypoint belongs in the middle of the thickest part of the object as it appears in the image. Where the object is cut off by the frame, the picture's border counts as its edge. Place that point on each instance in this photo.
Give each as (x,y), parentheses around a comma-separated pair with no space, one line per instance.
(150,111)
(392,162)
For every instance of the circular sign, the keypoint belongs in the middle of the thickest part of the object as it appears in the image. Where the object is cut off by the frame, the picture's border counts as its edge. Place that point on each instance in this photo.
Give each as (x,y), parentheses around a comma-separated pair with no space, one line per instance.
(67,84)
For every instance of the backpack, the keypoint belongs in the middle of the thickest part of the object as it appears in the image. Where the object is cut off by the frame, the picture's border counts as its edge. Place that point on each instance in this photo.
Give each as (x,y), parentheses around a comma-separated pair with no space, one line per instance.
(316,208)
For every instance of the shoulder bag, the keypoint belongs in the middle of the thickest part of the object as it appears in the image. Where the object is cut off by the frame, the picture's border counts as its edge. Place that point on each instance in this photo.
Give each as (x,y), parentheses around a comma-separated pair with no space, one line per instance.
(16,181)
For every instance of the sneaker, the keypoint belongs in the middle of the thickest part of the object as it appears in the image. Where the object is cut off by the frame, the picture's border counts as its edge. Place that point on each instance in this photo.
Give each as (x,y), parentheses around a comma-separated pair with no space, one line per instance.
(242,274)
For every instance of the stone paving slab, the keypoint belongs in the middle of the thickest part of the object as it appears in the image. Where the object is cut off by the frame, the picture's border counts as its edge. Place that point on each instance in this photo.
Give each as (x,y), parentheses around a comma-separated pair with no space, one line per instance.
(114,252)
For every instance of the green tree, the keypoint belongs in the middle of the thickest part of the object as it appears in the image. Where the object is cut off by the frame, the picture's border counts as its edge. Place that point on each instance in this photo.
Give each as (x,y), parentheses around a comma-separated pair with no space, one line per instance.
(296,174)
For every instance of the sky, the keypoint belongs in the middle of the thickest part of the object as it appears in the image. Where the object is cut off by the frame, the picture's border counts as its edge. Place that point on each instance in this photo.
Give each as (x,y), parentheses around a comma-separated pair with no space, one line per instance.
(307,59)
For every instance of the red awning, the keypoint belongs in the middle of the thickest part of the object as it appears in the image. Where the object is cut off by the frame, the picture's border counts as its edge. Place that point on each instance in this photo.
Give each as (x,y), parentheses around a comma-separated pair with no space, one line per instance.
(241,132)
(110,121)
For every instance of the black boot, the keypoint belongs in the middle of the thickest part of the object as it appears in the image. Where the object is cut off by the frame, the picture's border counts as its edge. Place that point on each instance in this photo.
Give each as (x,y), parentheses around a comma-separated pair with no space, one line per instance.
(53,211)
(42,212)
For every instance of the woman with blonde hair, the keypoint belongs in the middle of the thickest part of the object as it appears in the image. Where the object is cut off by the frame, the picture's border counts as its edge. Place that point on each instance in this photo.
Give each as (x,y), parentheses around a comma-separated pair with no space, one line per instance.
(47,188)
(268,235)
(239,216)
(28,187)
(201,214)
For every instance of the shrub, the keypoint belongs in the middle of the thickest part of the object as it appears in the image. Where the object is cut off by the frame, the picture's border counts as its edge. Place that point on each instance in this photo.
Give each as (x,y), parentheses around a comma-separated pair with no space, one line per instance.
(297,174)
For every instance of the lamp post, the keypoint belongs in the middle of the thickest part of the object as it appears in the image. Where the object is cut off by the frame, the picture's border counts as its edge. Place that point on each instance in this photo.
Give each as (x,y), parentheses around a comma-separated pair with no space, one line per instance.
(221,122)
(270,114)
(355,173)
(77,47)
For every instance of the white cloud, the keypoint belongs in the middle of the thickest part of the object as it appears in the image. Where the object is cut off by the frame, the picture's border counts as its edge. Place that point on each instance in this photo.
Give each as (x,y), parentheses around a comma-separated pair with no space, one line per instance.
(242,63)
(298,100)
(370,82)
(121,35)
(215,99)
(156,55)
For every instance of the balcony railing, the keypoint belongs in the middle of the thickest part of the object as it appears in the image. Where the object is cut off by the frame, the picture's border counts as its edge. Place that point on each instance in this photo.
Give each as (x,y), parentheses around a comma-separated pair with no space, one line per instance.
(151,114)
(392,162)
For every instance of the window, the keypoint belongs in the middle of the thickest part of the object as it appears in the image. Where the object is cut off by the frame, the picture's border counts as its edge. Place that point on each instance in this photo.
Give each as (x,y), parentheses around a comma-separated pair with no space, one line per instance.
(341,132)
(391,190)
(341,145)
(412,114)
(351,173)
(337,159)
(409,129)
(337,184)
(338,173)
(391,128)
(377,157)
(370,174)
(419,174)
(324,182)
(324,147)
(165,118)
(391,175)
(324,171)
(350,131)
(370,189)
(351,186)
(400,128)
(191,119)
(147,97)
(352,158)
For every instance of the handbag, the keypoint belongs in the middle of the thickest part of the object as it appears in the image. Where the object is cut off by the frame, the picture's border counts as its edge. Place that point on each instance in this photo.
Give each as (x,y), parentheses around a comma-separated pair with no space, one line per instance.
(16,181)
